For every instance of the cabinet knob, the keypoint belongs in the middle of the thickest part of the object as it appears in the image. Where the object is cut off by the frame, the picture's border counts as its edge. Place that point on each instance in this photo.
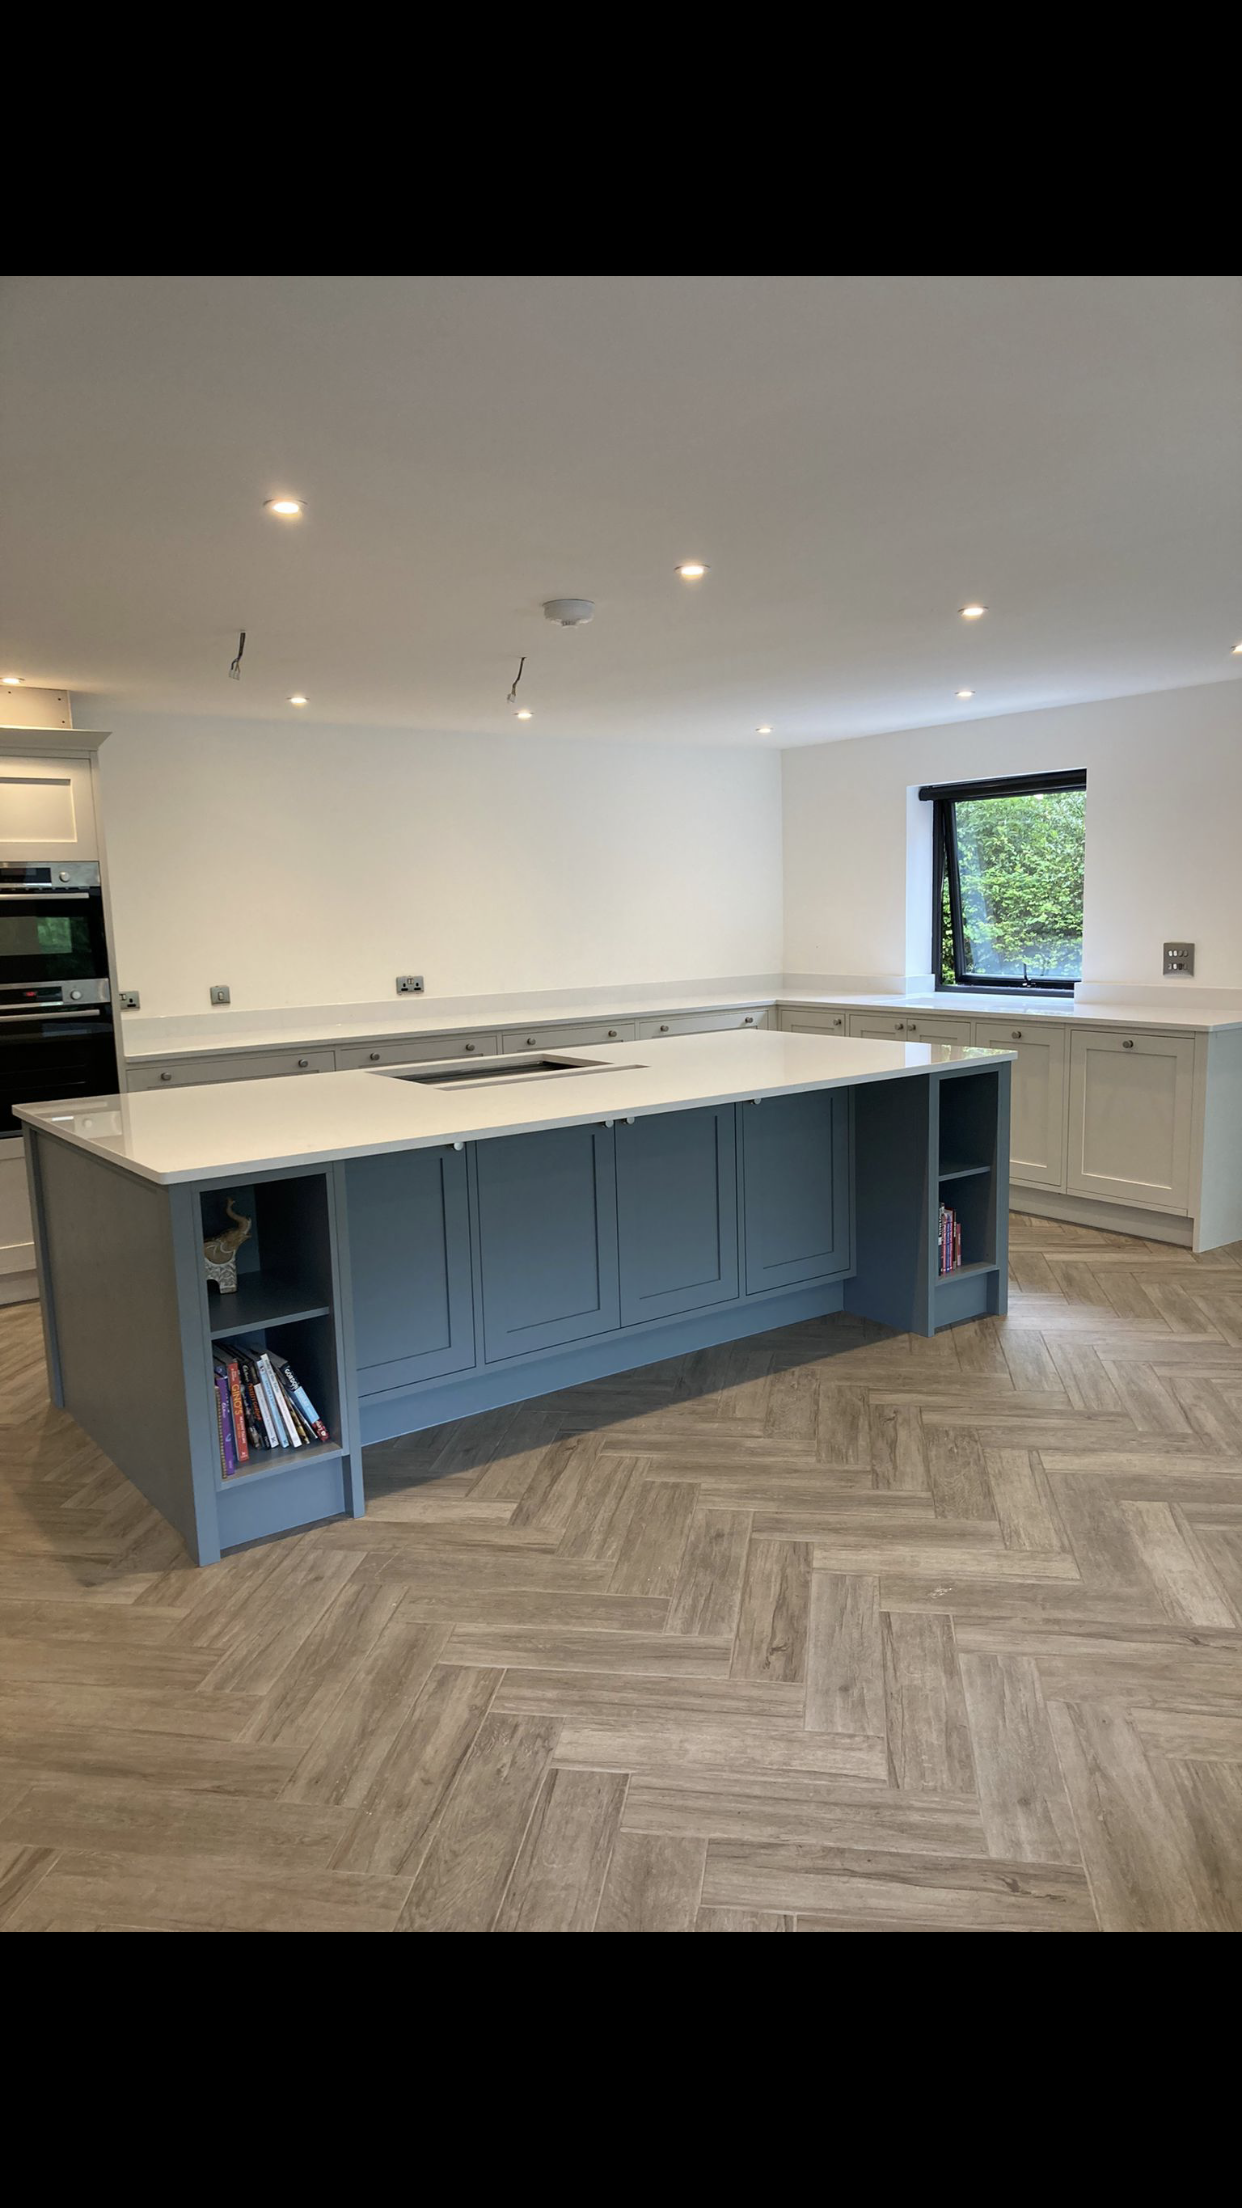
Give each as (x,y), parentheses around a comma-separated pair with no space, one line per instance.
(303,1063)
(911,1027)
(900,1026)
(749,1020)
(663,1031)
(470,1046)
(1127,1045)
(530,1042)
(1016,1035)
(375,1057)
(612,1034)
(166,1077)
(838,1023)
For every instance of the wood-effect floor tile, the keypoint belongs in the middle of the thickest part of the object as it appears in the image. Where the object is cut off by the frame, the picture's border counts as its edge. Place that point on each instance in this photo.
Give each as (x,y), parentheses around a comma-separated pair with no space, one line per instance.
(828,1630)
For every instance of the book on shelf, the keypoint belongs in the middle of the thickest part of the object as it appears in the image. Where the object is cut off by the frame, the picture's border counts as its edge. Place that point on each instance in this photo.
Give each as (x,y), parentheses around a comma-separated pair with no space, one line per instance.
(260,1405)
(950,1240)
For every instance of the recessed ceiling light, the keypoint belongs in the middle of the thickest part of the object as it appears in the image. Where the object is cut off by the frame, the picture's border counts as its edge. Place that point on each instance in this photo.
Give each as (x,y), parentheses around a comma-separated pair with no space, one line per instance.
(972,613)
(692,571)
(12,682)
(524,713)
(963,693)
(764,730)
(1237,653)
(299,700)
(289,509)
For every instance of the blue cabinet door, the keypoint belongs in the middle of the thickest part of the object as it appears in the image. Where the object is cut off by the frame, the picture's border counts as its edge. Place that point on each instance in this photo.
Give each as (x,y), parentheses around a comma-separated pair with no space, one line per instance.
(677,1212)
(547,1239)
(795,1160)
(409,1246)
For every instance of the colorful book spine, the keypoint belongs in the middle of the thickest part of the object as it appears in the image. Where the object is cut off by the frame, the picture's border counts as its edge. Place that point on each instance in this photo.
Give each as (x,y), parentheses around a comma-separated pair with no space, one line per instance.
(241,1444)
(281,1410)
(950,1240)
(228,1448)
(299,1397)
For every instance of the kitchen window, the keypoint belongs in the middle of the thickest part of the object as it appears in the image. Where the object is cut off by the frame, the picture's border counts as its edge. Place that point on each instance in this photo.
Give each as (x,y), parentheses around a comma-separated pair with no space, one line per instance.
(1008,876)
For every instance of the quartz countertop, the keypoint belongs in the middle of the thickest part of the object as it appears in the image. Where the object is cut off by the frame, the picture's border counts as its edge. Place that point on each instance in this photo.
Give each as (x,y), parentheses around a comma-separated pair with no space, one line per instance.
(415,1018)
(1014,1009)
(185,1037)
(229,1128)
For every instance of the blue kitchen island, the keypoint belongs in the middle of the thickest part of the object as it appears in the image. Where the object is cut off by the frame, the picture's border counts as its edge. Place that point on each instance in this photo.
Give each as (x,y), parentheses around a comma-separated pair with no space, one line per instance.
(430,1241)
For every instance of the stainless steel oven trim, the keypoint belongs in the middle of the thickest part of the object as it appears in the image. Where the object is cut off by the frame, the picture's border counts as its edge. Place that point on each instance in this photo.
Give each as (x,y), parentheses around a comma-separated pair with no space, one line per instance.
(52,1012)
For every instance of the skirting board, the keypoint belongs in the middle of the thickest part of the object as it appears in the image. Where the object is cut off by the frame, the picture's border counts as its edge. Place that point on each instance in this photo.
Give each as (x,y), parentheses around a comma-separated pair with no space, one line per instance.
(384,1417)
(1085,1211)
(19,1287)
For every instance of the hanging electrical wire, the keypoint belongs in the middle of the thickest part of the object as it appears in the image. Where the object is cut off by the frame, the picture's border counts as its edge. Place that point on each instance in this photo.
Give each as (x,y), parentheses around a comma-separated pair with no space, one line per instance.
(512,697)
(235,667)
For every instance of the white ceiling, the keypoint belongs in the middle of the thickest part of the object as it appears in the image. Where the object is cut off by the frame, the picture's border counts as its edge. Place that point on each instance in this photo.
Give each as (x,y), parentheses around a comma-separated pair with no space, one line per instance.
(856,457)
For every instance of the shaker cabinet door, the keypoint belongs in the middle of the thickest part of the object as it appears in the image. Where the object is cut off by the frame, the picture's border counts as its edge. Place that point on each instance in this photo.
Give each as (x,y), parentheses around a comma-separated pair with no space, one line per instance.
(547,1239)
(795,1153)
(409,1243)
(1130,1117)
(677,1212)
(1037,1123)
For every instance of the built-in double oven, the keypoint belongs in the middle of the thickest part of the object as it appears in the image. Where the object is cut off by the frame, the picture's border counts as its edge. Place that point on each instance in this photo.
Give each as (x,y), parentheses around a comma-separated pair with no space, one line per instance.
(56,1033)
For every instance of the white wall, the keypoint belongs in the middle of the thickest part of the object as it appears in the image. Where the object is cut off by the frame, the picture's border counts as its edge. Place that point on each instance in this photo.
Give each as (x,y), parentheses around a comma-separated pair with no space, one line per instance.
(309,865)
(1164,834)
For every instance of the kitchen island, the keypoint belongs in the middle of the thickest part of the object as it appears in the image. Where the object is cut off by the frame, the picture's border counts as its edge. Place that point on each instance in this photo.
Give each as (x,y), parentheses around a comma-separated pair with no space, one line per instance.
(430,1241)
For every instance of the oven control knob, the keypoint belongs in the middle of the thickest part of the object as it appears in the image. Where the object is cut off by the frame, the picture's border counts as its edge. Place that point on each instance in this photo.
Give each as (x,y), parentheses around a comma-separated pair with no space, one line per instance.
(64,874)
(75,996)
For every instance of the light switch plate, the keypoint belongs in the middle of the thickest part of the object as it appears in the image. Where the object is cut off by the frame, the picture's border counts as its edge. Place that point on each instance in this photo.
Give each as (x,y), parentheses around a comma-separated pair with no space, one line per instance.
(219,992)
(1179,958)
(130,1000)
(409,985)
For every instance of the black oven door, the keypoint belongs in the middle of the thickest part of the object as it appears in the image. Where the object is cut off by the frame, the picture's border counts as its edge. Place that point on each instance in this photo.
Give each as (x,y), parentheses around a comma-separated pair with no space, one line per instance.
(51,938)
(58,1055)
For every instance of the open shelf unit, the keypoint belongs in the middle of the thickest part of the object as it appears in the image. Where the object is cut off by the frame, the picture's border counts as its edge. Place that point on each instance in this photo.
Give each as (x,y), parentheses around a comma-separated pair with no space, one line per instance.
(916,1147)
(965,1133)
(288,1300)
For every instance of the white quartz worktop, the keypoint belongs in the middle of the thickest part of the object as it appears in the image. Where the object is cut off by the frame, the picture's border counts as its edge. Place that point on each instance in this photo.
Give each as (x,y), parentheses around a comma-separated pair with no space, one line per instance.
(185,1037)
(981,1005)
(221,1131)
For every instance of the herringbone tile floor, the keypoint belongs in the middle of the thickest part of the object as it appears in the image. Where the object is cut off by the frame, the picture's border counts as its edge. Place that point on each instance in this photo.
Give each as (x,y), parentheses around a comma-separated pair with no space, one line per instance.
(832,1630)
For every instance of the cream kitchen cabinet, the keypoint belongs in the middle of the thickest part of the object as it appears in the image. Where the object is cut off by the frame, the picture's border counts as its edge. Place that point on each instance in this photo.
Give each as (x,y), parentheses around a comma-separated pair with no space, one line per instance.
(1037,1123)
(232,1065)
(580,1037)
(1131,1115)
(16,1232)
(909,1027)
(412,1050)
(47,808)
(697,1023)
(814,1021)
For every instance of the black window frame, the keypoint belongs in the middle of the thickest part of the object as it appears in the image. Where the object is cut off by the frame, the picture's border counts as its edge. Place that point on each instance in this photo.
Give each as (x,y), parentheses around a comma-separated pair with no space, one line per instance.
(943,796)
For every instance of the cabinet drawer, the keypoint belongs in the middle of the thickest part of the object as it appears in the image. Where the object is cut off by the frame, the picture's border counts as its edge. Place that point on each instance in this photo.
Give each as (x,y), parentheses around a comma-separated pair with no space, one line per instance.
(909,1027)
(192,1073)
(414,1049)
(1037,1122)
(697,1023)
(567,1038)
(818,1022)
(1130,1110)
